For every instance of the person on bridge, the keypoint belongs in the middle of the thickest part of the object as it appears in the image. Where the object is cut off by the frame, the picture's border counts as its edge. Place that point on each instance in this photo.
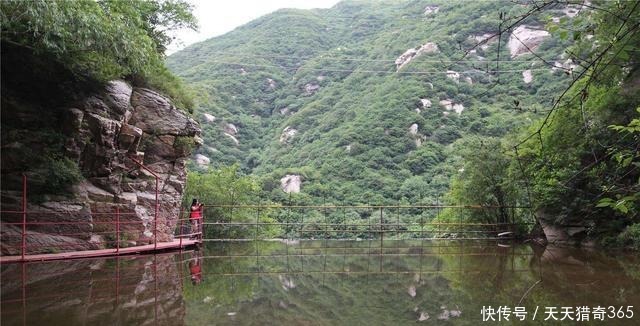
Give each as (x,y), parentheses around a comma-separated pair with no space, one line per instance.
(195,216)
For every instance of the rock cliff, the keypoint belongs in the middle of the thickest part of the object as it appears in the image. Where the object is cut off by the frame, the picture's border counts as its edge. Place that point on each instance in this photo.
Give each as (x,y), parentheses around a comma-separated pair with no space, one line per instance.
(104,133)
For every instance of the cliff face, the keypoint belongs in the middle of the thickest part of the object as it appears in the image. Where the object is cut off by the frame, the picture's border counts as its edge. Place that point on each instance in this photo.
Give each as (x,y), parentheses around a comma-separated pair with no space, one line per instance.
(104,134)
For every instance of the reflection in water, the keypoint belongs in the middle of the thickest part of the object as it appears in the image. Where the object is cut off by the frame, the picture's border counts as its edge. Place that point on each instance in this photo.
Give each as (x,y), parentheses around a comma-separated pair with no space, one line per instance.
(138,290)
(318,283)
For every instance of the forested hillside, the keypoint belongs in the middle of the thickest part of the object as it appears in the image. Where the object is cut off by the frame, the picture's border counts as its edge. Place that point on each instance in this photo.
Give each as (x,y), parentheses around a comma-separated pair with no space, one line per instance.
(405,102)
(320,94)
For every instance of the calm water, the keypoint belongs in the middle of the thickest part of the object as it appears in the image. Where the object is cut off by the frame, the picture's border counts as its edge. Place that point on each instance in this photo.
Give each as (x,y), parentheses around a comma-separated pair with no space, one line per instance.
(321,283)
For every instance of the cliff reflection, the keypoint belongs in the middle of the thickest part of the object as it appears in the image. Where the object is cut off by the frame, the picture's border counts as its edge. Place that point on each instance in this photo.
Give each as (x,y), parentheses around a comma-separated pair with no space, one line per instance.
(138,290)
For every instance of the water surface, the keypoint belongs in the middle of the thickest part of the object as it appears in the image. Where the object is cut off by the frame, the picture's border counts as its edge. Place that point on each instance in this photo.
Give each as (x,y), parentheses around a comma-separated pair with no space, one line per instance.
(325,282)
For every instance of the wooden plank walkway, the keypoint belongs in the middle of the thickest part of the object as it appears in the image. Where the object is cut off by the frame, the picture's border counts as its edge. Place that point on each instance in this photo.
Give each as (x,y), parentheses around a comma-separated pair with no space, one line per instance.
(175,244)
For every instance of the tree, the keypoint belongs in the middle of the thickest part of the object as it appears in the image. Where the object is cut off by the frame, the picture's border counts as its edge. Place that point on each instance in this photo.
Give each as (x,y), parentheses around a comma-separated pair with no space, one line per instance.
(100,40)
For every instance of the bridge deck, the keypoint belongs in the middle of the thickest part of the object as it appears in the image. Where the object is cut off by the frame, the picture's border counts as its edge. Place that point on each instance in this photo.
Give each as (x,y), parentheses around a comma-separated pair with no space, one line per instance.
(175,244)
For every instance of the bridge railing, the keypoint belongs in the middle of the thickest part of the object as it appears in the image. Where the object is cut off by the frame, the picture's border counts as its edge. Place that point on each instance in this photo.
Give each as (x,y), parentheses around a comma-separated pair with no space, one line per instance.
(27,231)
(255,222)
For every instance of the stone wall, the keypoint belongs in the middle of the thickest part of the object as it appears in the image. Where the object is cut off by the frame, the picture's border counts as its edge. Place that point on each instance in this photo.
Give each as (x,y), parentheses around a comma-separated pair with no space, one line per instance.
(105,133)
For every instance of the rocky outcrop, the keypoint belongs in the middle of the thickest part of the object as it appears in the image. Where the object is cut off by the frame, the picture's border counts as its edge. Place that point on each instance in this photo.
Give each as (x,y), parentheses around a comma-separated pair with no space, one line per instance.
(231,129)
(271,84)
(428,10)
(525,39)
(417,138)
(208,118)
(450,105)
(413,53)
(453,75)
(527,76)
(202,160)
(311,88)
(106,133)
(484,41)
(426,103)
(290,183)
(287,135)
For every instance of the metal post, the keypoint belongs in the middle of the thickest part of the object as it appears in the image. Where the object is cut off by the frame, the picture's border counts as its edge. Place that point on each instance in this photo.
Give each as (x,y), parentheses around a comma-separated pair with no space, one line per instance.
(155,220)
(201,224)
(117,230)
(24,215)
(181,229)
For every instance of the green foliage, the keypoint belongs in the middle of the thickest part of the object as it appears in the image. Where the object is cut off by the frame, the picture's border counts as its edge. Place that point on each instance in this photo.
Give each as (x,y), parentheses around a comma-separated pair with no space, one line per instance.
(353,136)
(184,144)
(631,236)
(101,40)
(58,175)
(227,186)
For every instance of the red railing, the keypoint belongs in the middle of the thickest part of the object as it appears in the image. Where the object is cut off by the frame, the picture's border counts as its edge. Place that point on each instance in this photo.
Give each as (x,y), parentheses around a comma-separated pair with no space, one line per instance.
(112,229)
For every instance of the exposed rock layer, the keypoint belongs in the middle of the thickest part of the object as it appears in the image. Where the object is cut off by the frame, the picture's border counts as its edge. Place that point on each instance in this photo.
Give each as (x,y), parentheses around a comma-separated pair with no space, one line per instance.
(104,134)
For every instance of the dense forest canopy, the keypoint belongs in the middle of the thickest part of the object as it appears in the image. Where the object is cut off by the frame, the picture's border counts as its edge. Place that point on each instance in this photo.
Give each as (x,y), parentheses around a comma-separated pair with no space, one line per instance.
(102,40)
(326,95)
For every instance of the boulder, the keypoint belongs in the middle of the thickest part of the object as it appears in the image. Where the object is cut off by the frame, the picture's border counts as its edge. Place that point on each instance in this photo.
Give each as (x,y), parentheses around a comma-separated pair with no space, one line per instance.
(231,129)
(311,88)
(290,183)
(412,53)
(271,84)
(413,129)
(287,134)
(453,75)
(208,118)
(233,138)
(425,103)
(202,160)
(527,76)
(525,39)
(428,10)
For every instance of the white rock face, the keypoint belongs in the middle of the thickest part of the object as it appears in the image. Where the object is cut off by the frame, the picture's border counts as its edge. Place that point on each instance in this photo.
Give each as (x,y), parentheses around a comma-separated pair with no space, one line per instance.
(231,129)
(412,53)
(202,160)
(449,105)
(527,76)
(413,129)
(566,66)
(272,83)
(426,103)
(290,183)
(412,291)
(453,75)
(287,134)
(310,89)
(571,10)
(208,117)
(235,140)
(524,37)
(468,80)
(486,39)
(428,10)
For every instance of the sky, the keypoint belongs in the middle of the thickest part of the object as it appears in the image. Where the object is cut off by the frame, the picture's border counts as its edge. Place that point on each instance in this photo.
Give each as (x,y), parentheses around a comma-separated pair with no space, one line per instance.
(216,17)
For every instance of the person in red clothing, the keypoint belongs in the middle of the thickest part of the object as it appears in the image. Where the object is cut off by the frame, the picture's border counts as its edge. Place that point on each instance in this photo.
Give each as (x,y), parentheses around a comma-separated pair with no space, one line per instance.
(195,216)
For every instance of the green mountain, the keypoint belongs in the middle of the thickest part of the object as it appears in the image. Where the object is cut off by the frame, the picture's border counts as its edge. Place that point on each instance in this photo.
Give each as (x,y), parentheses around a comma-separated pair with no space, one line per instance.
(369,102)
